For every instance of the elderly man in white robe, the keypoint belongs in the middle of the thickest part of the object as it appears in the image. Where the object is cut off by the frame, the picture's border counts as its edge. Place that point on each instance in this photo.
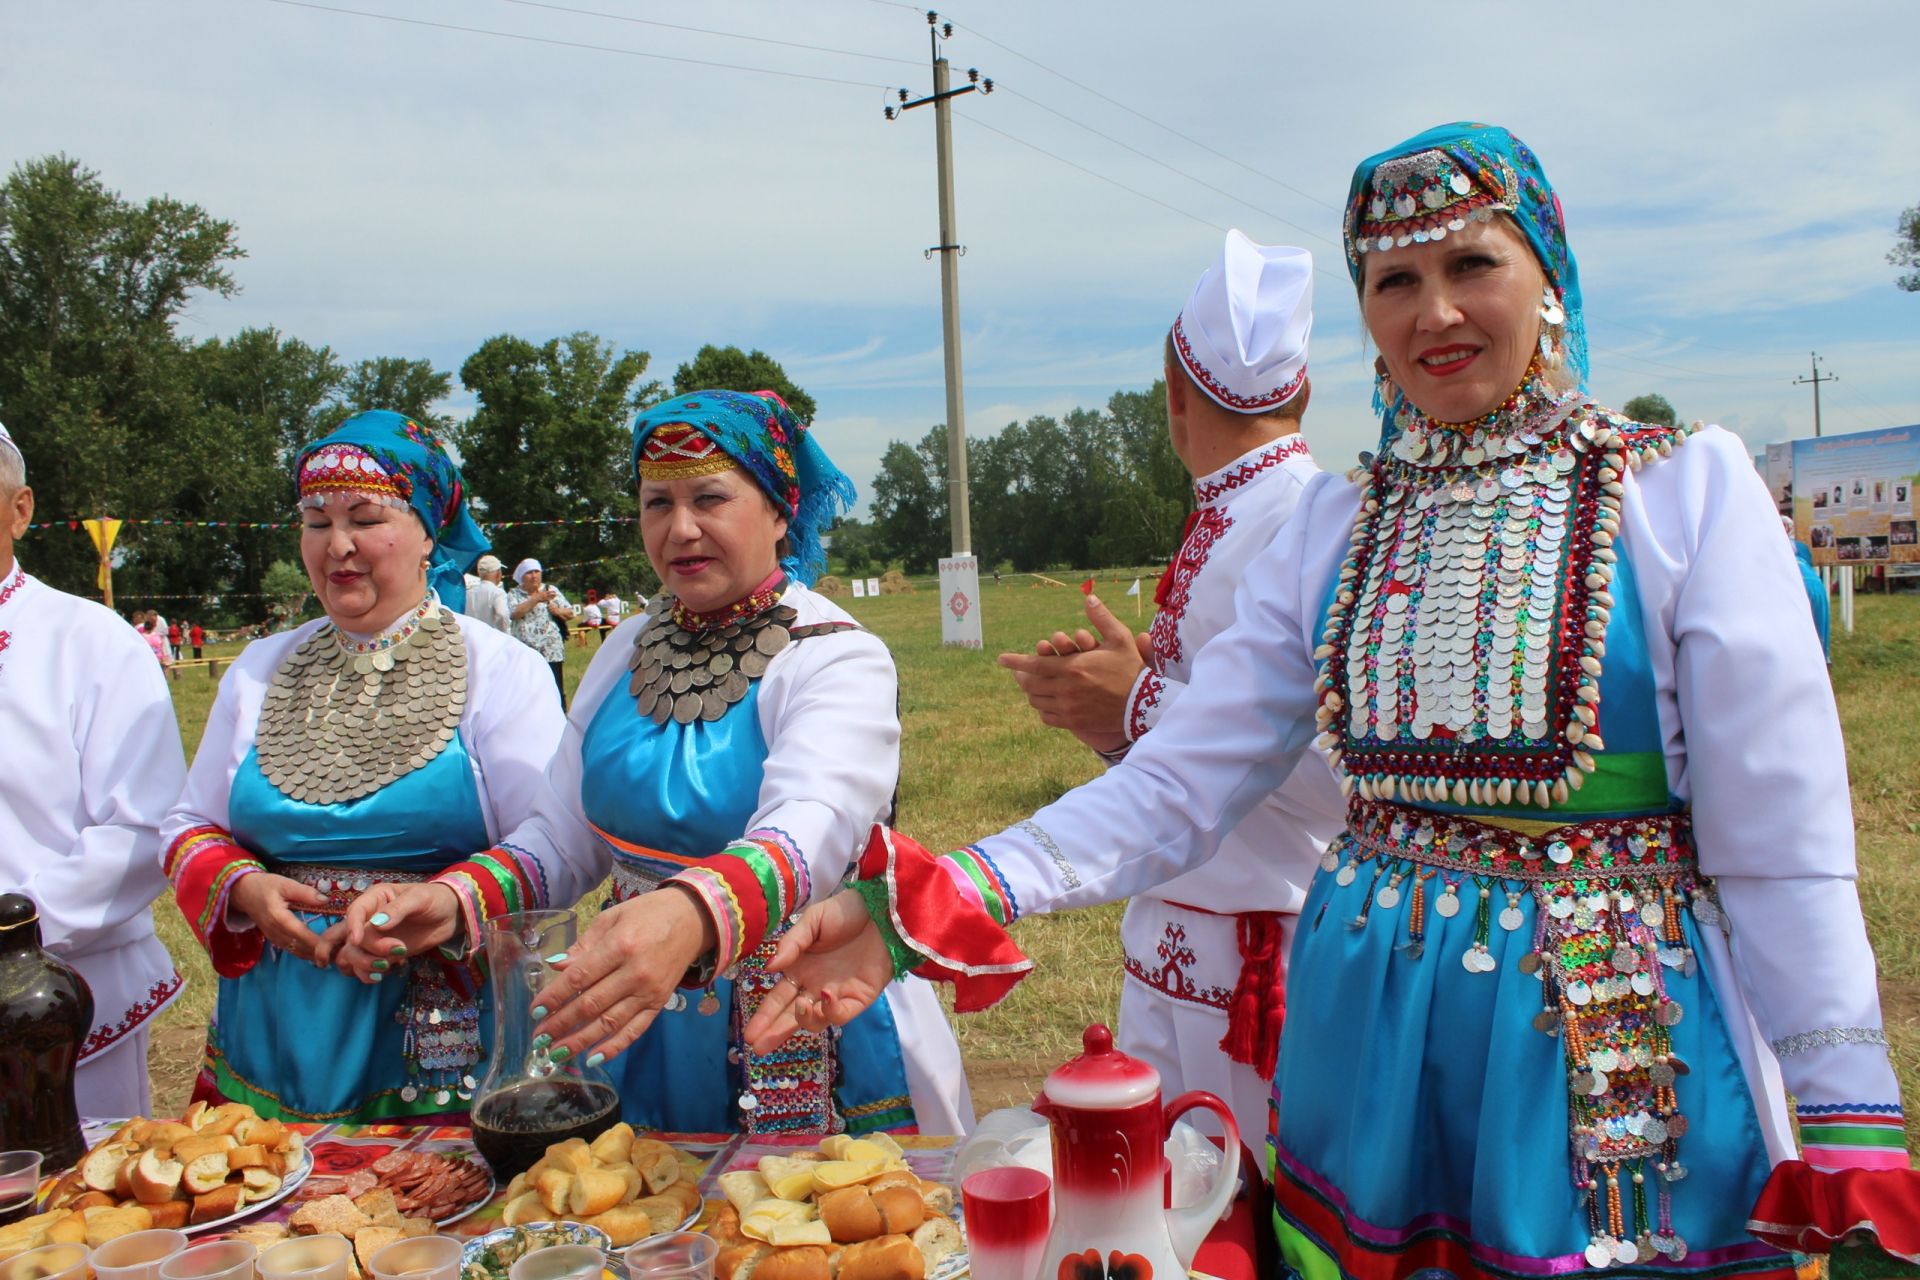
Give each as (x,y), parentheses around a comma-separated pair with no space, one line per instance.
(90,760)
(1206,951)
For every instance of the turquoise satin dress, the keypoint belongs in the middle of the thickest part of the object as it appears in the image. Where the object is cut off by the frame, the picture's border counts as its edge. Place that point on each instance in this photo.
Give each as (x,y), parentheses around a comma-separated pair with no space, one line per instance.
(1413,1094)
(688,791)
(315,1044)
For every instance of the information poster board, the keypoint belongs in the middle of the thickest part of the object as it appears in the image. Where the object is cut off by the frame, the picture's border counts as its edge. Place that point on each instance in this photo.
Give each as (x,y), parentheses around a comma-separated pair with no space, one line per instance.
(859,588)
(873,586)
(1776,466)
(1853,496)
(960,601)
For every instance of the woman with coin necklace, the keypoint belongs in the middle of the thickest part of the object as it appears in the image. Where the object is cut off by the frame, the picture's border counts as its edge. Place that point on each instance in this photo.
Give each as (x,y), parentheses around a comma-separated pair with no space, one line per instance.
(1594,899)
(728,752)
(386,741)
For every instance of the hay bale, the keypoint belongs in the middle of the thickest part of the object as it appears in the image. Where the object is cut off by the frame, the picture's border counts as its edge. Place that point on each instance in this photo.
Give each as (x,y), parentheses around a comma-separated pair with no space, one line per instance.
(830,586)
(894,583)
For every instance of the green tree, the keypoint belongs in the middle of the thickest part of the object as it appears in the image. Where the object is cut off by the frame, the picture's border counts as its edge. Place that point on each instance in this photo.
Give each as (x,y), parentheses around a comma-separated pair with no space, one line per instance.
(550,441)
(406,386)
(1906,250)
(94,382)
(909,503)
(731,369)
(286,587)
(1146,508)
(851,548)
(1652,408)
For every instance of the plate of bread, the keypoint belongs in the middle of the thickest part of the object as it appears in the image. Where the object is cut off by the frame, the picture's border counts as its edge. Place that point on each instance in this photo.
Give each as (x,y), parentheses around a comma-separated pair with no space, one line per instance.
(851,1209)
(627,1186)
(198,1173)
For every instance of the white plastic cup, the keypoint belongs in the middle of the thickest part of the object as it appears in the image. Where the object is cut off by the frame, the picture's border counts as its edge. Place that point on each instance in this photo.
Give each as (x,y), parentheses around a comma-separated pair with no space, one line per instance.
(317,1257)
(19,1183)
(677,1255)
(221,1260)
(421,1258)
(560,1262)
(137,1256)
(48,1262)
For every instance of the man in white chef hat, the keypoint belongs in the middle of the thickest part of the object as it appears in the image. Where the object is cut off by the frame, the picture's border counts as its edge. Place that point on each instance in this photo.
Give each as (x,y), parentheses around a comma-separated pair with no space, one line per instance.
(90,761)
(1206,952)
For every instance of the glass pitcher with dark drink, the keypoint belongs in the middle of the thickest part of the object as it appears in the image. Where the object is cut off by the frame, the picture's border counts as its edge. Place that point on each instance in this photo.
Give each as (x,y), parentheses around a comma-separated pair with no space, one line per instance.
(46,1011)
(528,1101)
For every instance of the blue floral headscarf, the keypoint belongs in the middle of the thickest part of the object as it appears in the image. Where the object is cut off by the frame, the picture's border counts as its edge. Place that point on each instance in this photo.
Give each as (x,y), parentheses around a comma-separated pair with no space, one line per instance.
(760,434)
(1436,182)
(414,471)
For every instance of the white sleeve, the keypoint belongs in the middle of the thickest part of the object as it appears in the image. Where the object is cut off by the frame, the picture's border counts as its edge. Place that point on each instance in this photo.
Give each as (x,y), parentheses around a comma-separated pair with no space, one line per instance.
(223,745)
(1233,736)
(131,770)
(554,833)
(515,727)
(829,711)
(1766,771)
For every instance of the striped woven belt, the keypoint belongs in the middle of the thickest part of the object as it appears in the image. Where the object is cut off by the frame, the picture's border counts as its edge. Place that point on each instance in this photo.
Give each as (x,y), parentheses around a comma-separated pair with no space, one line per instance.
(343,884)
(1656,845)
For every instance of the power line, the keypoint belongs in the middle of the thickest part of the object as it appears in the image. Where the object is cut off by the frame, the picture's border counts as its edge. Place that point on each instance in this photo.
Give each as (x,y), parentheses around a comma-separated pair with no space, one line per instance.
(1133,111)
(1205,222)
(575,44)
(1170,168)
(708,31)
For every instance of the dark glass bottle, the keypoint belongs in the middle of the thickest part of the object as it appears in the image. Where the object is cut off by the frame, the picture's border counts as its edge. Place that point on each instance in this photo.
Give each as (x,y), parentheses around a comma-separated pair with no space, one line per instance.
(46,1011)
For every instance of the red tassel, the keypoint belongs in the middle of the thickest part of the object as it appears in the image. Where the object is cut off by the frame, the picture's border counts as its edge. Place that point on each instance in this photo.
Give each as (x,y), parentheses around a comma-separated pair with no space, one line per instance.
(1258,1008)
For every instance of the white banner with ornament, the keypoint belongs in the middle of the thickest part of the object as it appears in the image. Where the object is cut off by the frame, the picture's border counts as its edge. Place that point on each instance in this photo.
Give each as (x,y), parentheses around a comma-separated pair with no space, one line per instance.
(960,601)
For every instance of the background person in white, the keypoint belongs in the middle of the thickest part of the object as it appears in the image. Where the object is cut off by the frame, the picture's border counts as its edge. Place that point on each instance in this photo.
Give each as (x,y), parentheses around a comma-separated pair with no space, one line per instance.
(1206,951)
(89,761)
(486,598)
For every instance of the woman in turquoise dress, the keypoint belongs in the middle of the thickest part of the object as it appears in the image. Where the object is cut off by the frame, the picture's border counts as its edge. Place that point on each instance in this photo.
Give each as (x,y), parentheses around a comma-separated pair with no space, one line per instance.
(393,739)
(728,752)
(1594,903)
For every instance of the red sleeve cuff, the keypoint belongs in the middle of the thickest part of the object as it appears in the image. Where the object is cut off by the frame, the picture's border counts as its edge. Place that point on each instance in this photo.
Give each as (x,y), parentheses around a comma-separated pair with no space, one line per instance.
(1806,1210)
(951,929)
(203,863)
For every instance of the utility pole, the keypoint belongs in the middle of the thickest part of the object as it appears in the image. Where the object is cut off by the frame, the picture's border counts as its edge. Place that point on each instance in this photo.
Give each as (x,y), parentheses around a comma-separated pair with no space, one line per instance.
(958,511)
(1815,381)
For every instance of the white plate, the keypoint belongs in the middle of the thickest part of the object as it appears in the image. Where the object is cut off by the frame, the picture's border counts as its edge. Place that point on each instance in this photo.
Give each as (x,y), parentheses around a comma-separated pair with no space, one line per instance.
(287,1188)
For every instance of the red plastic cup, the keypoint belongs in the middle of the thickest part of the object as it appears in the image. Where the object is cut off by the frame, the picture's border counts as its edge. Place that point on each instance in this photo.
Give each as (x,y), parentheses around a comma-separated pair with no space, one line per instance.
(1009,1212)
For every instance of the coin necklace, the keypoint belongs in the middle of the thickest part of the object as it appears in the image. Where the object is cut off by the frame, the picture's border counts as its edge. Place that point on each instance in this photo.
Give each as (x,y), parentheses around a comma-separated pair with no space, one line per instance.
(342,719)
(685,671)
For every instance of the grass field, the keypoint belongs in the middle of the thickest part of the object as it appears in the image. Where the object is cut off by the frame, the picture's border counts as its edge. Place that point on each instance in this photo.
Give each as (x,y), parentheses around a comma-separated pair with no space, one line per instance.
(975,759)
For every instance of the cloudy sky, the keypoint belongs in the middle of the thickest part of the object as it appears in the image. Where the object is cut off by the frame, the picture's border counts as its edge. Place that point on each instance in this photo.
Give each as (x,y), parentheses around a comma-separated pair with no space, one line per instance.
(1732,177)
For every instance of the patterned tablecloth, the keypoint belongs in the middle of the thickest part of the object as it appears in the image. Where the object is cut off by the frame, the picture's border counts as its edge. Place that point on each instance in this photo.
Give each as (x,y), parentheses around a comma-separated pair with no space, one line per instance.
(341,1148)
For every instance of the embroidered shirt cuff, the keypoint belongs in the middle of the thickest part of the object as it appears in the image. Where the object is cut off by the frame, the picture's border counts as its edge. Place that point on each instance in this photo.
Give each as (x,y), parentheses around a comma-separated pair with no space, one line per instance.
(748,888)
(1143,704)
(1836,1136)
(488,885)
(204,863)
(935,909)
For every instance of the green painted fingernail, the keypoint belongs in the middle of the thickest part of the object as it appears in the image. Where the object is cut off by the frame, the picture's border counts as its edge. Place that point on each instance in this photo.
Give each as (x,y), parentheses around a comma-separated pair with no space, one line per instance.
(595,1059)
(399,949)
(561,1054)
(541,1041)
(539,1011)
(380,966)
(378,917)
(558,957)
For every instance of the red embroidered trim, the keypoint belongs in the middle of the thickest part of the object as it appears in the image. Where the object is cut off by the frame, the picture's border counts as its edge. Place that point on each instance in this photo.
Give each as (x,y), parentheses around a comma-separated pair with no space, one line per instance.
(1211,526)
(159,996)
(1145,697)
(1272,456)
(19,580)
(1171,977)
(1218,390)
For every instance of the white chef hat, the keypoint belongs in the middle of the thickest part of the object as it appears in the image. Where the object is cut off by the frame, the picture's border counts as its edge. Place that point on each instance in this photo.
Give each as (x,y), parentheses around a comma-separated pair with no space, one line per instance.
(1242,337)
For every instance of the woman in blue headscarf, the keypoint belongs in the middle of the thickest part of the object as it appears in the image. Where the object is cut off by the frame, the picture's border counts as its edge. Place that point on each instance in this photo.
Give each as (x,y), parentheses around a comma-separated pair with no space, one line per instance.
(1595,898)
(387,741)
(728,751)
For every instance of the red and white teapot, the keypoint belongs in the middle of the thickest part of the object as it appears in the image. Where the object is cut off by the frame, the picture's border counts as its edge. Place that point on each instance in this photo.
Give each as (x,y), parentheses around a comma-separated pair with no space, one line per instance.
(1111,1220)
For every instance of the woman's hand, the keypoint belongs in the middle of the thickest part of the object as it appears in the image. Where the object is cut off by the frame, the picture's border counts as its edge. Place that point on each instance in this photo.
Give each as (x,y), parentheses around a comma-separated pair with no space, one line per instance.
(392,921)
(270,902)
(835,964)
(351,960)
(619,976)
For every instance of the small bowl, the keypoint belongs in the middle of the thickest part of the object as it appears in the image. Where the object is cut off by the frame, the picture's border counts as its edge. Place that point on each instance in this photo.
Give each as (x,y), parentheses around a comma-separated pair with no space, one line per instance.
(562,1233)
